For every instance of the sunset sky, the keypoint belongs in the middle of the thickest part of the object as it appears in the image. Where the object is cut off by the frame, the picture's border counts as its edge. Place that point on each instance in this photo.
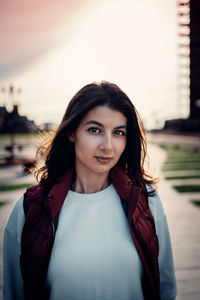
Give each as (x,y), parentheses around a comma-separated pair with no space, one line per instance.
(50,49)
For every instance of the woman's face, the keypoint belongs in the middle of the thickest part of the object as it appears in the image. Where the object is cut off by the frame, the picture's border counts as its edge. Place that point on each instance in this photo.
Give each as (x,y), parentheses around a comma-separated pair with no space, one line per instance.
(99,140)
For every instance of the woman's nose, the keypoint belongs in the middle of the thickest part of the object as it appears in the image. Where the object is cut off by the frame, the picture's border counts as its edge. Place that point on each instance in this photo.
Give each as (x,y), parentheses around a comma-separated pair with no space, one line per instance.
(106,143)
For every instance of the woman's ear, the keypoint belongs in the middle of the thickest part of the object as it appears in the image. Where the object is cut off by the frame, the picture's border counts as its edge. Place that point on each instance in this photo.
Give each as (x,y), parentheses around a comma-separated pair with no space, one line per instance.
(71,137)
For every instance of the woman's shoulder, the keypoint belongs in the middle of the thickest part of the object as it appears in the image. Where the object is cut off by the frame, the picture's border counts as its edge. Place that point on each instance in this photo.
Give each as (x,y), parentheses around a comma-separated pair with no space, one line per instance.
(155,203)
(17,217)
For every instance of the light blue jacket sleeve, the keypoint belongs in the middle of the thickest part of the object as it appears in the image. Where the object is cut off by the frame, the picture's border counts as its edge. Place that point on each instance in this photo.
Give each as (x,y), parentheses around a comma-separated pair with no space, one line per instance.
(12,279)
(168,289)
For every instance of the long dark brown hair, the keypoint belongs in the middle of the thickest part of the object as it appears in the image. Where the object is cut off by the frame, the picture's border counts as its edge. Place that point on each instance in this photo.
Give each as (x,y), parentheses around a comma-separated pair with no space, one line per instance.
(59,153)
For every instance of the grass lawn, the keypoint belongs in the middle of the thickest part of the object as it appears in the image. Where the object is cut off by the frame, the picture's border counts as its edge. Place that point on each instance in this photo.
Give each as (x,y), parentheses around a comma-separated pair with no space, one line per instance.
(196,202)
(18,136)
(187,188)
(181,159)
(182,177)
(12,187)
(182,167)
(6,139)
(3,203)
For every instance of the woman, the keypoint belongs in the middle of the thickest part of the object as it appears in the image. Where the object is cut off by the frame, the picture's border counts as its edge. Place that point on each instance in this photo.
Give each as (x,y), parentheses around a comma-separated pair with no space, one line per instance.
(94,228)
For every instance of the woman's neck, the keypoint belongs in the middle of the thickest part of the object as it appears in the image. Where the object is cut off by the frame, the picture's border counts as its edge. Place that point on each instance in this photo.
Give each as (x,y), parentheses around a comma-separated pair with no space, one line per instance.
(90,183)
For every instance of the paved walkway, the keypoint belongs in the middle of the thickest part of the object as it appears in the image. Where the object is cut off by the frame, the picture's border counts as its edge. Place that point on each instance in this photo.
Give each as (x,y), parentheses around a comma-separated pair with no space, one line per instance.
(184,222)
(184,140)
(183,219)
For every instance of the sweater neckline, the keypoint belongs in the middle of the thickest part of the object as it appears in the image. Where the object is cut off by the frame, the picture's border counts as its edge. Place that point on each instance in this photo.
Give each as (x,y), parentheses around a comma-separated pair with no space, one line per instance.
(100,196)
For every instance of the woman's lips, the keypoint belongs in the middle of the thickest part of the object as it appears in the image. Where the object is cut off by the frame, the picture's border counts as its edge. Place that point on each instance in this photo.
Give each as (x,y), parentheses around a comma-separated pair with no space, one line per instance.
(103,160)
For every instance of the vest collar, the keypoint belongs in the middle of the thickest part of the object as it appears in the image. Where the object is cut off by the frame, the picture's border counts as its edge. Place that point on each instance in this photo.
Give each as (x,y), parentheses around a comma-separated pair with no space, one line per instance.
(59,192)
(126,189)
(122,183)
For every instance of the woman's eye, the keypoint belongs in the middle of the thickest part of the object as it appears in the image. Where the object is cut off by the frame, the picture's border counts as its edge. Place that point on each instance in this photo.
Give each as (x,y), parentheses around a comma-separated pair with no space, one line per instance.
(119,132)
(94,130)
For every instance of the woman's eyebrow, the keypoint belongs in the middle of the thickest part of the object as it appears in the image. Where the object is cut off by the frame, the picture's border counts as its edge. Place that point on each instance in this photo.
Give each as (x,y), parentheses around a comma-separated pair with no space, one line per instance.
(94,122)
(99,124)
(120,127)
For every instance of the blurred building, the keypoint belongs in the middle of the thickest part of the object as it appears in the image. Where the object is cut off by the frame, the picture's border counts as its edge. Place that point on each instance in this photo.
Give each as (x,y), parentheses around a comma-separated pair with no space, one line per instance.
(189,65)
(13,122)
(47,126)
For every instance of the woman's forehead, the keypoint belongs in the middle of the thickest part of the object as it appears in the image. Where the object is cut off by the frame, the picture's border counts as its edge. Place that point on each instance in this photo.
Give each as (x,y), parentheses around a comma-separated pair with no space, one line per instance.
(105,114)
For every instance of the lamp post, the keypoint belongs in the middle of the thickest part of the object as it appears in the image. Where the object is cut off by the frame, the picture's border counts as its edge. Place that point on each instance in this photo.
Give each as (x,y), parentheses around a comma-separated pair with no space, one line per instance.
(12,91)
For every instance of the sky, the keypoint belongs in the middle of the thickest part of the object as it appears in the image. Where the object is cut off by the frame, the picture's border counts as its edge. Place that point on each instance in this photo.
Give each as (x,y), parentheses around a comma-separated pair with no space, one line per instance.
(52,48)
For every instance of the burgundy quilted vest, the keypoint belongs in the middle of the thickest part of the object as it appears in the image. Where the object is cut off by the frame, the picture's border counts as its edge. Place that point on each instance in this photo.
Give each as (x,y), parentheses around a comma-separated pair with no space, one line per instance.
(39,232)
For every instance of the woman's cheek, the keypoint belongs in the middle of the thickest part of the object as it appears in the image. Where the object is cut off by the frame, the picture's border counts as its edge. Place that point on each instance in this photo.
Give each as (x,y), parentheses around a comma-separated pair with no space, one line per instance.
(121,144)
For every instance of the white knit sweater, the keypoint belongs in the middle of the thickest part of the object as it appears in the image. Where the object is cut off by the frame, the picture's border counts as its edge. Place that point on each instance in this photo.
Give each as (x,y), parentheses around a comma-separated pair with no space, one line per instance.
(94,256)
